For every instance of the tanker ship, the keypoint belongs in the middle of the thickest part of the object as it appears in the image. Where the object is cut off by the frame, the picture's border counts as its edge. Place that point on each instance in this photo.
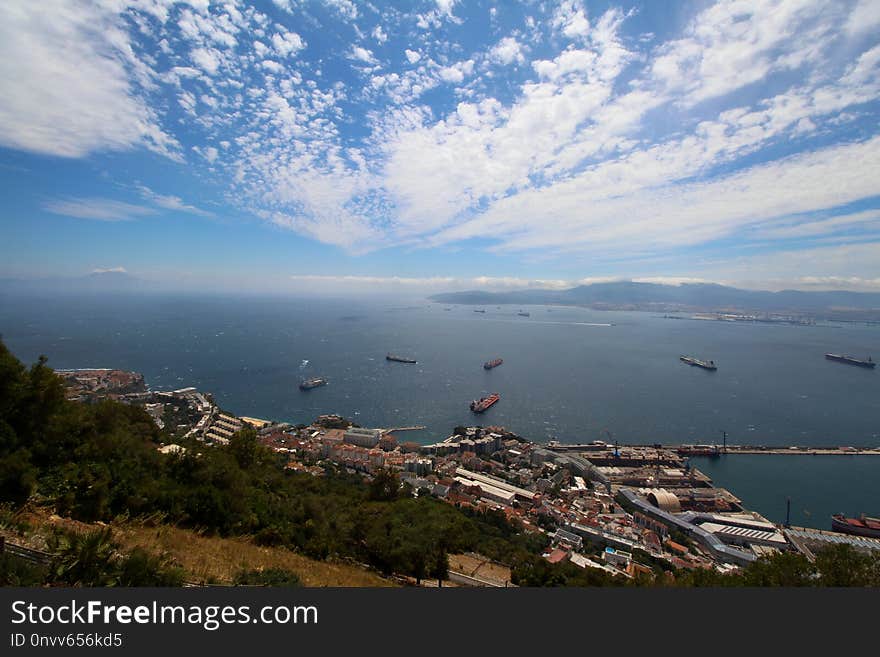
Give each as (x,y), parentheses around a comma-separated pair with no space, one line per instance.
(696,362)
(861,526)
(489,364)
(480,405)
(851,361)
(399,359)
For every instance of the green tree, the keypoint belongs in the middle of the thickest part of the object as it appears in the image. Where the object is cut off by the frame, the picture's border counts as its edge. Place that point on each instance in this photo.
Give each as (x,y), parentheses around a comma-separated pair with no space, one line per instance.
(385,485)
(843,565)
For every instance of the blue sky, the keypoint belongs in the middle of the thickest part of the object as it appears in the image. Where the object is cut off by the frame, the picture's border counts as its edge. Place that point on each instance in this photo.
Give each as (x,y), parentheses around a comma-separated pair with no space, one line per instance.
(327,145)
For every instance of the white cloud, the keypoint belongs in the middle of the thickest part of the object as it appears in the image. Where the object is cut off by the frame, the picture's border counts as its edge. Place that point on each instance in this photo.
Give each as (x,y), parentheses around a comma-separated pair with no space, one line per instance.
(208,59)
(457,72)
(67,86)
(345,8)
(446,6)
(571,19)
(169,202)
(730,45)
(109,270)
(379,34)
(412,56)
(507,51)
(362,54)
(864,19)
(287,43)
(861,221)
(99,209)
(849,266)
(607,210)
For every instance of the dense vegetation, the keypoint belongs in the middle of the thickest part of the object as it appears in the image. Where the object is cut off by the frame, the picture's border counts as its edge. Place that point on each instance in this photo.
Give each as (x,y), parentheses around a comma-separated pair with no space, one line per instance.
(90,559)
(96,462)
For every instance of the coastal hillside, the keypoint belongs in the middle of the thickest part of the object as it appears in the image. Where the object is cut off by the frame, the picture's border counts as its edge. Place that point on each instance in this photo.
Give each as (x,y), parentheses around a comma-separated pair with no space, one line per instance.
(168,555)
(689,296)
(100,462)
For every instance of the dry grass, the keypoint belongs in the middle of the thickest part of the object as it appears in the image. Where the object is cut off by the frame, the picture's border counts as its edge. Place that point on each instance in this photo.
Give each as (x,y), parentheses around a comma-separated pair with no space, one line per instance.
(207,559)
(480,567)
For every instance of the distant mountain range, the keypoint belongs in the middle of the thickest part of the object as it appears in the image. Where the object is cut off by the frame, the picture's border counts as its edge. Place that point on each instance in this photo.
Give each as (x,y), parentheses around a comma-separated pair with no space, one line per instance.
(691,296)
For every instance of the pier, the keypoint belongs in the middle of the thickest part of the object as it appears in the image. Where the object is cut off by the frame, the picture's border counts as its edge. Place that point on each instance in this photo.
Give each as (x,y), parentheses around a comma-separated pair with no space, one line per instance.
(718,450)
(794,450)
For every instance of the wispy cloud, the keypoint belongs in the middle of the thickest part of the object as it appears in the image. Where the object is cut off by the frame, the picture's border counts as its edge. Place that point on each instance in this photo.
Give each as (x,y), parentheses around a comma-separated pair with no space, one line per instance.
(71,84)
(169,202)
(98,209)
(104,209)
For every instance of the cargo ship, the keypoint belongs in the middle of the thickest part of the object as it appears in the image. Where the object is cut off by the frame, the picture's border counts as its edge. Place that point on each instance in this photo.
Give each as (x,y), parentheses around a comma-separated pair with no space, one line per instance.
(315,382)
(696,362)
(522,314)
(479,311)
(861,526)
(489,364)
(480,405)
(399,359)
(851,361)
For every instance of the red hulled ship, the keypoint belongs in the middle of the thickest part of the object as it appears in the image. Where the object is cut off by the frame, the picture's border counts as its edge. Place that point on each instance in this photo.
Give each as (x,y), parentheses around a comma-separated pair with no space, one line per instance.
(861,526)
(480,405)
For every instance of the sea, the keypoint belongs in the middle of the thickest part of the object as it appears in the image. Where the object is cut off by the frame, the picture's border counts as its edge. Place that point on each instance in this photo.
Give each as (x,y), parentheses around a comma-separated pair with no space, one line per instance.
(569,374)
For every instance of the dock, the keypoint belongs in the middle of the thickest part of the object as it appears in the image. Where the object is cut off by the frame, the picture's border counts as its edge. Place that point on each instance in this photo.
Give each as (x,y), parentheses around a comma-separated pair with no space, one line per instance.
(794,450)
(718,450)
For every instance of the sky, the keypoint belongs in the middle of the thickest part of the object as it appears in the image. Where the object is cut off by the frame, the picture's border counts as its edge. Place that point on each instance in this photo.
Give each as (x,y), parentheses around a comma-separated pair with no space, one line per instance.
(330,145)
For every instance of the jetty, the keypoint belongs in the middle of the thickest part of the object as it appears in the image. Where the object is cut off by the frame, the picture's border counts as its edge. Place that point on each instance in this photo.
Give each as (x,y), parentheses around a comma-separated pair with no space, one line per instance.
(717,450)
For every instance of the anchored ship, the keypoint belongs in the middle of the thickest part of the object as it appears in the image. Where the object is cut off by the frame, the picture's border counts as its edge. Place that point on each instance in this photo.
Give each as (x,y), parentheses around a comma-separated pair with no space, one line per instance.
(696,362)
(479,311)
(861,526)
(522,314)
(399,359)
(315,382)
(489,364)
(480,405)
(851,361)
